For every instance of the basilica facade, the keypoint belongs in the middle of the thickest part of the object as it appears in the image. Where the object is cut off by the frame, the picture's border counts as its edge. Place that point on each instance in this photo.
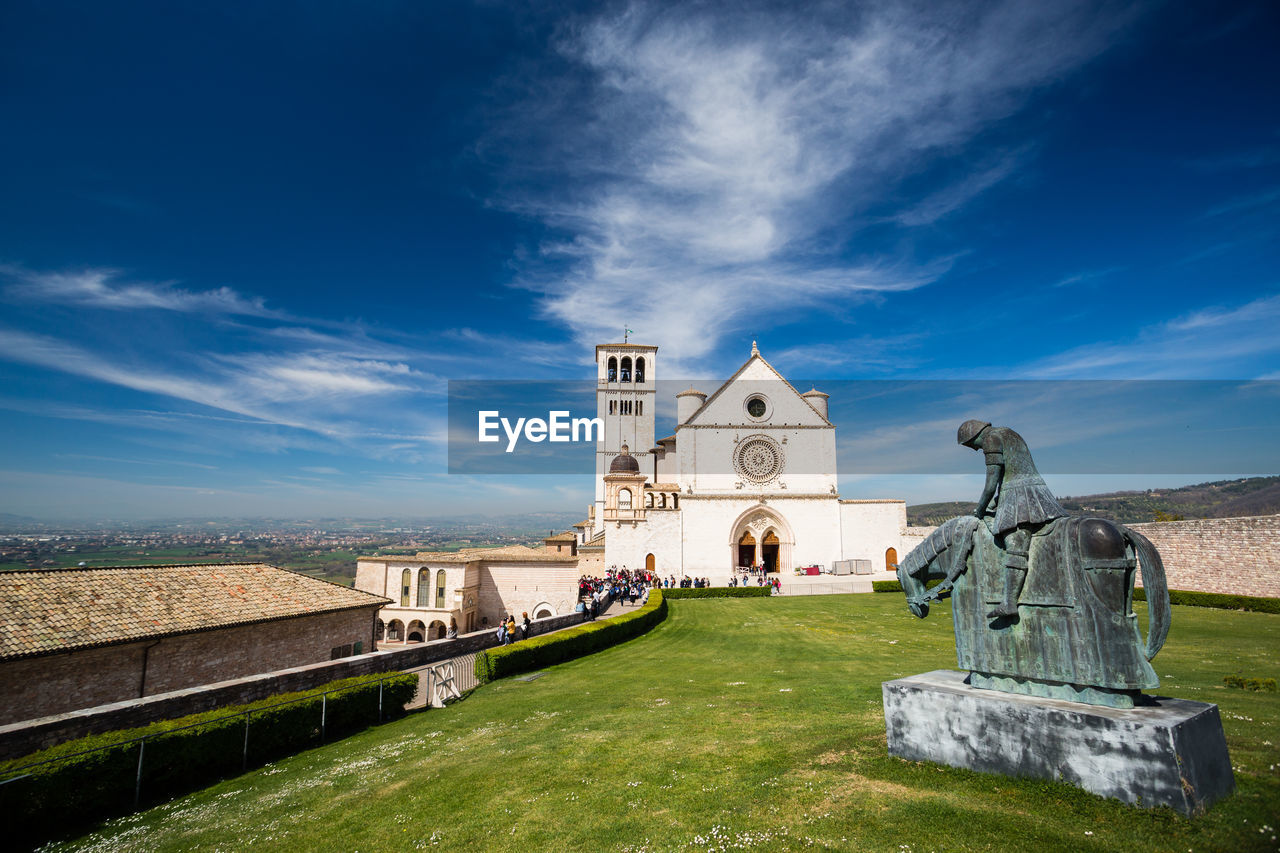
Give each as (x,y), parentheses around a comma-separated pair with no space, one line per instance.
(748,478)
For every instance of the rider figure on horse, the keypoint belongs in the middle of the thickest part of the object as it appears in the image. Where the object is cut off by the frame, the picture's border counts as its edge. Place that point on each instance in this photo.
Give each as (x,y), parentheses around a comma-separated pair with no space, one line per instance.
(1024,505)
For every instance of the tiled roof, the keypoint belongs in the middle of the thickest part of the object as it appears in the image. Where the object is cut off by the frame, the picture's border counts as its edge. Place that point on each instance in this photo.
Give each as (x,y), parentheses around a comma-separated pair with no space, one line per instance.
(58,610)
(507,553)
(562,537)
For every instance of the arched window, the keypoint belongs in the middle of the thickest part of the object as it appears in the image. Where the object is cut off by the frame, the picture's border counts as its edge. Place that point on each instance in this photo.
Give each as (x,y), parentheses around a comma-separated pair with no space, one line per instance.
(424,588)
(648,499)
(613,369)
(639,369)
(406,578)
(624,499)
(440,590)
(626,369)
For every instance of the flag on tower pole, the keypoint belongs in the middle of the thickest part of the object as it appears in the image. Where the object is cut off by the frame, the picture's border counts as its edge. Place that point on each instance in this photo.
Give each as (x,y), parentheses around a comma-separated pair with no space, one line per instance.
(625,333)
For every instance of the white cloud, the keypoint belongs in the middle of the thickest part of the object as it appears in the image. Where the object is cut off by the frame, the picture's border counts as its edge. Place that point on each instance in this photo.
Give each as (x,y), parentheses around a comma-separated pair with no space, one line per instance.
(101,288)
(323,393)
(710,153)
(1219,342)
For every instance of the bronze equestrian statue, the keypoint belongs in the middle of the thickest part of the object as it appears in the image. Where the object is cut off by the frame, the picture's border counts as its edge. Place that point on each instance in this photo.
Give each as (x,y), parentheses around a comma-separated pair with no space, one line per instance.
(1062,624)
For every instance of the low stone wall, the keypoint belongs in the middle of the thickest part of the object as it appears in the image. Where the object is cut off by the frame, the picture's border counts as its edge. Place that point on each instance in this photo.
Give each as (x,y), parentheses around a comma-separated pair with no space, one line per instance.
(28,736)
(1236,556)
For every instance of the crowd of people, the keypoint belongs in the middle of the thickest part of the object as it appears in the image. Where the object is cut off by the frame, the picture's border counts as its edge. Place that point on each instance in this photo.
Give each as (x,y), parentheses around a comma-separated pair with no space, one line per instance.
(509,631)
(762,579)
(630,587)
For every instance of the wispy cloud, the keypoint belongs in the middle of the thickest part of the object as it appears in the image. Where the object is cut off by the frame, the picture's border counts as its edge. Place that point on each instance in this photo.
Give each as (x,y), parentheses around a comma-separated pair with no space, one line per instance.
(951,198)
(103,288)
(1219,342)
(1086,276)
(1251,202)
(711,155)
(326,394)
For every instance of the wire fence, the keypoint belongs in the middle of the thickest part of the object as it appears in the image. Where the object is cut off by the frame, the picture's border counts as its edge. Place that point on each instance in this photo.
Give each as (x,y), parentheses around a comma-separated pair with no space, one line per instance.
(319,730)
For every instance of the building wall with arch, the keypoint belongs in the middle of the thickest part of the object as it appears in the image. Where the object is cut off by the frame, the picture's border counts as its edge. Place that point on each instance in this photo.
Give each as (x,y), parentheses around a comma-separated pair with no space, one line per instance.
(711,521)
(868,528)
(661,534)
(480,586)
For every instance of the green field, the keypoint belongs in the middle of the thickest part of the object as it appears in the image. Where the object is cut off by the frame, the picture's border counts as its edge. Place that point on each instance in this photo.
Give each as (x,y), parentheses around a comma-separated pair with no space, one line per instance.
(736,724)
(337,566)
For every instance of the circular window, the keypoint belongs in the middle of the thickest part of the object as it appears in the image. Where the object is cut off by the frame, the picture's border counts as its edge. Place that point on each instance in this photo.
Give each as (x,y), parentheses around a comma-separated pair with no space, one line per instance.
(757,407)
(759,459)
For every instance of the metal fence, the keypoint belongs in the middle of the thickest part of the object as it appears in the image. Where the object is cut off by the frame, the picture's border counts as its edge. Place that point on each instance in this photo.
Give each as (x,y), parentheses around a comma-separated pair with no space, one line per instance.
(18,773)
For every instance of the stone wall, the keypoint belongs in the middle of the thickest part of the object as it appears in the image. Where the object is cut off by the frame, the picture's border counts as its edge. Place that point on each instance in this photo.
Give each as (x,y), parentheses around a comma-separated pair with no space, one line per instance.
(53,684)
(28,736)
(1238,556)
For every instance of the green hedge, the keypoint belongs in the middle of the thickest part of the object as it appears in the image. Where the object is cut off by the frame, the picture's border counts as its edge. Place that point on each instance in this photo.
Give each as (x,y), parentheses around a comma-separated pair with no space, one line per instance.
(720,592)
(1176,596)
(1219,600)
(570,643)
(182,754)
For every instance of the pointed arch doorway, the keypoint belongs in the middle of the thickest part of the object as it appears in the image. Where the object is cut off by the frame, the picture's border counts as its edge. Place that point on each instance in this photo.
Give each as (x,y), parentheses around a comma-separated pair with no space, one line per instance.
(762,536)
(746,550)
(769,547)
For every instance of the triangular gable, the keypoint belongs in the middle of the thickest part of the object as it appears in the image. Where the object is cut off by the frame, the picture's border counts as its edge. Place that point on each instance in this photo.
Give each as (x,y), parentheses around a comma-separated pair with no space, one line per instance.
(724,407)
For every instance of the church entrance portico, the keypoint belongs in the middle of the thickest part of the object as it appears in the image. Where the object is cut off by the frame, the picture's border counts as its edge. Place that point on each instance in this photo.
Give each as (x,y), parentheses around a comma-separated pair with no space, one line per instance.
(761,537)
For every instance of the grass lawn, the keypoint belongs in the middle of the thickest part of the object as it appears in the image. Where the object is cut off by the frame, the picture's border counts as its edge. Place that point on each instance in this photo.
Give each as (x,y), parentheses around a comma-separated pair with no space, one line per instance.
(737,723)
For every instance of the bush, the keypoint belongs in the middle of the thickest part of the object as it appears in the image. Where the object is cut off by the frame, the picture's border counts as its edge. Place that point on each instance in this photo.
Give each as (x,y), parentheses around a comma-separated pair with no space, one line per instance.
(886,586)
(720,592)
(182,754)
(1267,685)
(570,643)
(1219,600)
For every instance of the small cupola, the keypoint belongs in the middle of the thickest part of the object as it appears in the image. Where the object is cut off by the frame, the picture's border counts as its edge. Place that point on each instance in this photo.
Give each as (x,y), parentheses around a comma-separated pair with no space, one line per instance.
(817,400)
(624,463)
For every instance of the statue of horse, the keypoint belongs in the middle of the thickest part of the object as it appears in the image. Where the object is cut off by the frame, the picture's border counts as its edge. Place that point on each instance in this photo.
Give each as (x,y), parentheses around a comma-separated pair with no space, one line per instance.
(1075,636)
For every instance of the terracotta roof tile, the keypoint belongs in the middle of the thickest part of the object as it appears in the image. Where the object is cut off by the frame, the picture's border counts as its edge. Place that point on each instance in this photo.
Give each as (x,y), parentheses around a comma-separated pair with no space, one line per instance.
(58,610)
(508,553)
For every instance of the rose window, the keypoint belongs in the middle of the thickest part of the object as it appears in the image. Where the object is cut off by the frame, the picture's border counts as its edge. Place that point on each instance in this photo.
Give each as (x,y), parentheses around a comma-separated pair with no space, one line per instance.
(758,459)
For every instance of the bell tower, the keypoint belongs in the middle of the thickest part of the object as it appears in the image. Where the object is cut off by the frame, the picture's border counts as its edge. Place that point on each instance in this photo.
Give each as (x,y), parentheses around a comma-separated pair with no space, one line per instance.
(626,388)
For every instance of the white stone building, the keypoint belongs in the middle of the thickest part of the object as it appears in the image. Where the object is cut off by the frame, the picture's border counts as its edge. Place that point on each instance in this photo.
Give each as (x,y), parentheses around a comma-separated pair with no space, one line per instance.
(471,589)
(748,478)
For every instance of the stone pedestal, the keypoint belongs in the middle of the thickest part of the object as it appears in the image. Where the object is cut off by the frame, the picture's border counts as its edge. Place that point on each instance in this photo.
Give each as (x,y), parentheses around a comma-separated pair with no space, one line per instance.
(1170,753)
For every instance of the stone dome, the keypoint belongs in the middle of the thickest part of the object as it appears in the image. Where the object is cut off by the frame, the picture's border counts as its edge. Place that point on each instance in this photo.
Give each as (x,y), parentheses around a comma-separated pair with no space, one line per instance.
(624,463)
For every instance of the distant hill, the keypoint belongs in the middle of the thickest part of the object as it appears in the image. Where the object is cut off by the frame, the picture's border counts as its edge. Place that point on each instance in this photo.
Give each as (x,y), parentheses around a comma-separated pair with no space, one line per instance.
(1222,499)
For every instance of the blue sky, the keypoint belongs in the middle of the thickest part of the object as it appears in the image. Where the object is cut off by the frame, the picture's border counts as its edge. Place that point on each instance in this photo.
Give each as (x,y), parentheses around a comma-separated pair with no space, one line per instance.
(243,248)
